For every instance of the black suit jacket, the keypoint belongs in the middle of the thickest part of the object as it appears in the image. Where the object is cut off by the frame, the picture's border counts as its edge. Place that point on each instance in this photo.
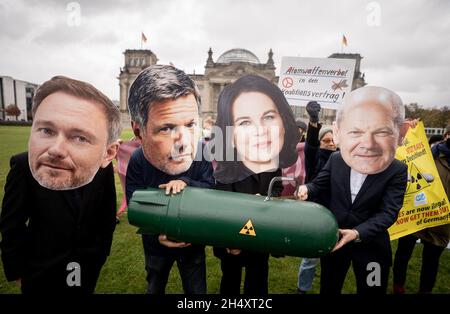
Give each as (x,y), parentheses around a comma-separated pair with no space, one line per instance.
(44,230)
(376,205)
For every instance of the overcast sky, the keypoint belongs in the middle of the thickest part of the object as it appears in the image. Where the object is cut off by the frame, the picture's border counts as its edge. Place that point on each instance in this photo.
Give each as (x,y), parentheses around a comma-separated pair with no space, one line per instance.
(405,44)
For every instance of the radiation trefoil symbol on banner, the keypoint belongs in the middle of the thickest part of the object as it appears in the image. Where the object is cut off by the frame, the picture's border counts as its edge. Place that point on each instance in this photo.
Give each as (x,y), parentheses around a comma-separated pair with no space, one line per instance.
(248,229)
(417,180)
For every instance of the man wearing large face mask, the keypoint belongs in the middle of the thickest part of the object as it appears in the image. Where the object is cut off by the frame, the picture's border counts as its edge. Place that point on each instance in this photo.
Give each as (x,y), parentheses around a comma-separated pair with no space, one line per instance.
(59,208)
(163,105)
(366,187)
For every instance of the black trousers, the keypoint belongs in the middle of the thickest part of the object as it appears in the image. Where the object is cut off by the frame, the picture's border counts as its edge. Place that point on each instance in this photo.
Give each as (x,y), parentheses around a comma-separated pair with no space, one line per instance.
(55,280)
(430,262)
(371,264)
(256,272)
(191,266)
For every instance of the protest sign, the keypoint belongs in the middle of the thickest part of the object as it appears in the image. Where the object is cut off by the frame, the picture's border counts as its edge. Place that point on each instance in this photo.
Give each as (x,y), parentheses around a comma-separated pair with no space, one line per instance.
(325,80)
(425,203)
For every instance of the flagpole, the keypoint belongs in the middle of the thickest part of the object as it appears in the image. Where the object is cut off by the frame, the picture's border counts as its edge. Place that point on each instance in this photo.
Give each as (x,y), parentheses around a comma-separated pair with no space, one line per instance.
(343,42)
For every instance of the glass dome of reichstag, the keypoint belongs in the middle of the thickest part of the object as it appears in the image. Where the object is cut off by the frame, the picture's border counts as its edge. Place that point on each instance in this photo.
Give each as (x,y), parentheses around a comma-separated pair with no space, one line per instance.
(238,55)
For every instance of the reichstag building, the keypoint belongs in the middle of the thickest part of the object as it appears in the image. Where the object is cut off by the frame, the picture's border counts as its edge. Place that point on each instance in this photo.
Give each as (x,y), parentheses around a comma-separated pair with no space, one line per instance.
(227,68)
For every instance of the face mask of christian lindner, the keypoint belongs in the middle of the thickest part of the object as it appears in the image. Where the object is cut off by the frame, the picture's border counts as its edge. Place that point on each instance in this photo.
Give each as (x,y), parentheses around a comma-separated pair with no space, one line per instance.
(67,147)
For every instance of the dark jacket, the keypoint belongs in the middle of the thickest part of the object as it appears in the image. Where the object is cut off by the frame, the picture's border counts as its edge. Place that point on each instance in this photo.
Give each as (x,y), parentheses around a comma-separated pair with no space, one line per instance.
(44,230)
(315,157)
(254,184)
(439,235)
(376,205)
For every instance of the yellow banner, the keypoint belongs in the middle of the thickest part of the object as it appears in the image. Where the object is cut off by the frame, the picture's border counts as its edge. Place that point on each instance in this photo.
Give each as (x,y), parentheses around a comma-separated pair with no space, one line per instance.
(425,203)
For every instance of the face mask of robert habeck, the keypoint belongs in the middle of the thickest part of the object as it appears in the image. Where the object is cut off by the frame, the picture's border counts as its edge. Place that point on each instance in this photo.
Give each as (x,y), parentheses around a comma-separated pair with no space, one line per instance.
(68,142)
(172,133)
(367,134)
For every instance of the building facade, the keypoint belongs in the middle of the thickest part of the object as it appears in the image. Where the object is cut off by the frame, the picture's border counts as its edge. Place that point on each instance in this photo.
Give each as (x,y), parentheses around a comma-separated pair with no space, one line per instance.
(17,93)
(228,67)
(135,61)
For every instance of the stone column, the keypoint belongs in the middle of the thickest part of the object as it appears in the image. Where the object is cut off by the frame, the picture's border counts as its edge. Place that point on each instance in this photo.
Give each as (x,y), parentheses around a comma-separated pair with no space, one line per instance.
(123,95)
(206,97)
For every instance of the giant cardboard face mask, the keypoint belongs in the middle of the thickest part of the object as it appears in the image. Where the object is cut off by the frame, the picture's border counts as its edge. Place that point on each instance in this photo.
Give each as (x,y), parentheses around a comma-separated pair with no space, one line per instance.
(368,137)
(258,127)
(171,135)
(258,131)
(68,142)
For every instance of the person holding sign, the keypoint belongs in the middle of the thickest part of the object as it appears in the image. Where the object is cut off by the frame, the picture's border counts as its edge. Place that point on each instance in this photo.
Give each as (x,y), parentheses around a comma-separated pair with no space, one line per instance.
(263,138)
(434,239)
(366,186)
(318,149)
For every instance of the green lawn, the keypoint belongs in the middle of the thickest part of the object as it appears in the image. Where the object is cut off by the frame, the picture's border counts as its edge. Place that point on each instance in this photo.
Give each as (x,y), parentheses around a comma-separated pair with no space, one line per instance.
(124,270)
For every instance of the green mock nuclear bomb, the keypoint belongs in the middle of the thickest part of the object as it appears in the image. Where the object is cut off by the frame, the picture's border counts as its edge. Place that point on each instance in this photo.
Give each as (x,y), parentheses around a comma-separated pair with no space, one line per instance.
(236,220)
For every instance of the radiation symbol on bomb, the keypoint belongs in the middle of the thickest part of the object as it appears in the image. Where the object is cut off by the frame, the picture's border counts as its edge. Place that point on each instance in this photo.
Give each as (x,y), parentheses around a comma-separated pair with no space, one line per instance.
(248,229)
(416,180)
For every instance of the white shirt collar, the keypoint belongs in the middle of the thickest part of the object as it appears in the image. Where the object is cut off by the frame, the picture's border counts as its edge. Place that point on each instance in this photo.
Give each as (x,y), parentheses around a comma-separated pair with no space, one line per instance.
(356,181)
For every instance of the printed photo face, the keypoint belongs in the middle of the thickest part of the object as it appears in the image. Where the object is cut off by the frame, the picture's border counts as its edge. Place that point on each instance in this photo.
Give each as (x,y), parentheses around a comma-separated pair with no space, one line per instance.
(68,142)
(255,130)
(172,133)
(368,137)
(258,131)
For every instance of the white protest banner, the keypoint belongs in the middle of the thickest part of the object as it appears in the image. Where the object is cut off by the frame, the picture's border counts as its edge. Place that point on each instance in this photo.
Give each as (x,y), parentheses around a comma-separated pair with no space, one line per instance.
(325,80)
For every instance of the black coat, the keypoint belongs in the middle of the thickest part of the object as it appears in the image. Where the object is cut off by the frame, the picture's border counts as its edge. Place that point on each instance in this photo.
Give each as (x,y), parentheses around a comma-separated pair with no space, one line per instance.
(44,230)
(315,157)
(376,205)
(373,211)
(254,184)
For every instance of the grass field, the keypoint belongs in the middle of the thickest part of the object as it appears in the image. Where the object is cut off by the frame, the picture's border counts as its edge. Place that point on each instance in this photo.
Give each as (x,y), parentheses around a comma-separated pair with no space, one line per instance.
(124,270)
